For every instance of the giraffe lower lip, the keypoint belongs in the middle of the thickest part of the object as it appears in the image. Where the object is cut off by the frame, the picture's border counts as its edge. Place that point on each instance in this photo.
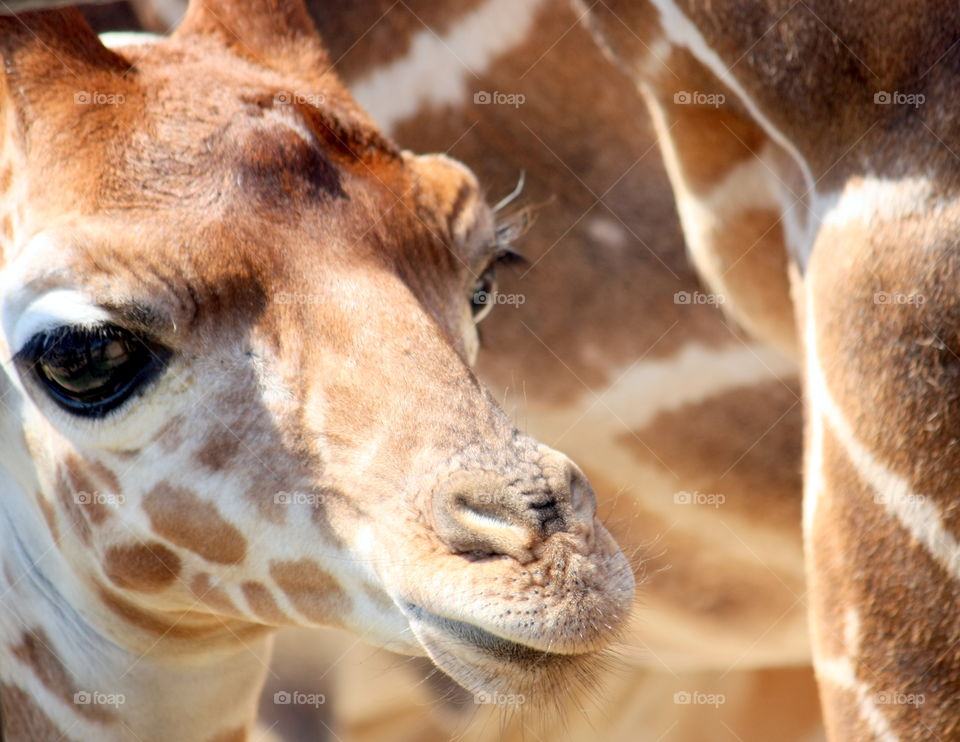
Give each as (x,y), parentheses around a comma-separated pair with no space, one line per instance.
(477,638)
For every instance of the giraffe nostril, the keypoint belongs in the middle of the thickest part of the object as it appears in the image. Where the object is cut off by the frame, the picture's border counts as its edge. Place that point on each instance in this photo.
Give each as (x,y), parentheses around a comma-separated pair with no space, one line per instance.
(488,512)
(480,523)
(548,516)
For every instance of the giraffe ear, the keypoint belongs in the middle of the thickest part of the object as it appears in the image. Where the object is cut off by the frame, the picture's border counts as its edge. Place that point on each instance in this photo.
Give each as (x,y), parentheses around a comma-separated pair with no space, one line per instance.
(60,42)
(277,34)
(48,54)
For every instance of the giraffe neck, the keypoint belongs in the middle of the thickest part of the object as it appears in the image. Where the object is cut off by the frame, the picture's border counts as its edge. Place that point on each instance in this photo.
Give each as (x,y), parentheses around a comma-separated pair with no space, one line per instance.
(68,666)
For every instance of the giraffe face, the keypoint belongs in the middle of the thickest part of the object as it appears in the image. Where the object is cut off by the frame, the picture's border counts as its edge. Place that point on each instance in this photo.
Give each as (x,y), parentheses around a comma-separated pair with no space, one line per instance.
(239,325)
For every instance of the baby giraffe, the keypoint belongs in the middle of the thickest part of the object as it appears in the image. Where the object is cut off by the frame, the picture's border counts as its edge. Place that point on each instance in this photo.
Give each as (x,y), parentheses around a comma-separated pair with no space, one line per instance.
(237,328)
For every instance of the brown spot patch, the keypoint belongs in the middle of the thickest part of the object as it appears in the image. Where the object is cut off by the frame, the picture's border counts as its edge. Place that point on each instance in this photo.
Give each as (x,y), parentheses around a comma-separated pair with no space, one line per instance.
(104,477)
(85,488)
(35,652)
(748,264)
(71,507)
(312,589)
(218,450)
(272,164)
(744,444)
(24,720)
(262,492)
(147,567)
(180,516)
(263,604)
(78,487)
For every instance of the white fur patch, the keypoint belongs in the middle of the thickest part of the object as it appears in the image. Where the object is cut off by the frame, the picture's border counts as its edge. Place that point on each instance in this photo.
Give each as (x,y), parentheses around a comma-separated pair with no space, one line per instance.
(55,309)
(749,185)
(25,312)
(440,70)
(840,673)
(607,232)
(871,200)
(681,31)
(692,375)
(658,52)
(116,39)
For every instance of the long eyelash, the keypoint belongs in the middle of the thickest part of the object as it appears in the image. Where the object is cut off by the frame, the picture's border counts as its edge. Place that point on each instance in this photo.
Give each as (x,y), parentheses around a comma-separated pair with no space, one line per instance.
(44,342)
(508,230)
(514,194)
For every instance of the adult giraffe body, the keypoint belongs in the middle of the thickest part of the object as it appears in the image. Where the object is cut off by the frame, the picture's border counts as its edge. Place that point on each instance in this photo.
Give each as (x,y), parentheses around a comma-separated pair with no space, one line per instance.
(847,112)
(236,335)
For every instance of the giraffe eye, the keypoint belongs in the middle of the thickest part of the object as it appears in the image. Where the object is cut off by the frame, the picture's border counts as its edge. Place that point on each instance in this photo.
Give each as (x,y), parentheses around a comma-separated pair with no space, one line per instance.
(90,371)
(484,294)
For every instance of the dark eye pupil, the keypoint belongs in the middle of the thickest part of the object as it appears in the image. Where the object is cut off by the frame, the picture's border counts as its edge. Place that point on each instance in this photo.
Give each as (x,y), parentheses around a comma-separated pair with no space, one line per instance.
(86,370)
(90,371)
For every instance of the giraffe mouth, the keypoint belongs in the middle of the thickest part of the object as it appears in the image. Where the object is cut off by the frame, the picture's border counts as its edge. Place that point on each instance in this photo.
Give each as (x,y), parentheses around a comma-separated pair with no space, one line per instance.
(477,638)
(490,665)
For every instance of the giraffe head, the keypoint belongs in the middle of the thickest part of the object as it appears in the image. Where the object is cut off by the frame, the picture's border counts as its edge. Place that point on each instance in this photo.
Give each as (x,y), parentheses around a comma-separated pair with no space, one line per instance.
(237,325)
